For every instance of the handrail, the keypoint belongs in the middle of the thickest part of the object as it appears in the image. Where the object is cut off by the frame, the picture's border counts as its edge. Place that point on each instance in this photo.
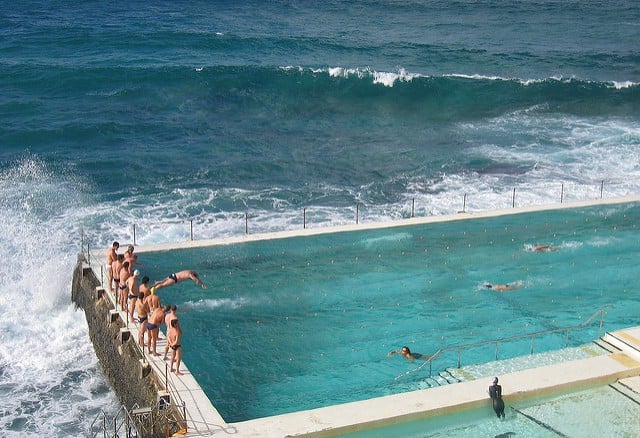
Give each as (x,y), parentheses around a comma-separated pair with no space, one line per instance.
(460,348)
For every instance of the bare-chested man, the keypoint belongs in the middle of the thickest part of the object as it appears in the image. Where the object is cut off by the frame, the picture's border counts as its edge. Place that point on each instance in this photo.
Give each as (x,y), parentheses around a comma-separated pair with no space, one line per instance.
(174,333)
(116,266)
(144,286)
(153,326)
(133,290)
(132,258)
(142,309)
(170,316)
(112,256)
(178,277)
(152,300)
(123,289)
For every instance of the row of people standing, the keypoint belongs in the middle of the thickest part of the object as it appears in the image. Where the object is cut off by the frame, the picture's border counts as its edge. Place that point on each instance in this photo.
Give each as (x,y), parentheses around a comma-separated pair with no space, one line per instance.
(143,305)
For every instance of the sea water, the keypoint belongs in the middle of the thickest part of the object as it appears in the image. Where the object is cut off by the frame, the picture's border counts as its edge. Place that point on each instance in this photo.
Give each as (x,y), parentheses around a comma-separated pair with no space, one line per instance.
(155,115)
(306,322)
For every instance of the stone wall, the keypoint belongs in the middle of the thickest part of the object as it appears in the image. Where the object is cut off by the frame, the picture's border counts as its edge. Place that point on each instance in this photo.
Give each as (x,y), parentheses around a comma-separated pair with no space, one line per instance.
(129,376)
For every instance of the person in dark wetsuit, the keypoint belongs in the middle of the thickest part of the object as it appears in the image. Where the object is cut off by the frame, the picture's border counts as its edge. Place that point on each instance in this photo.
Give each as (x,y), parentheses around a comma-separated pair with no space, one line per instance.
(495,392)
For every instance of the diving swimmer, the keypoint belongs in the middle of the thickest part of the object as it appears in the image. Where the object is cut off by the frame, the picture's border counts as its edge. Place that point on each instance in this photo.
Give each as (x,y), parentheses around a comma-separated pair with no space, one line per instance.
(177,278)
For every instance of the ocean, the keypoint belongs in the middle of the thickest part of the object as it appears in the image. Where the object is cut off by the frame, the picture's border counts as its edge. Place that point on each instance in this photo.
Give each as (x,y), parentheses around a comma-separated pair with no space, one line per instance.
(158,118)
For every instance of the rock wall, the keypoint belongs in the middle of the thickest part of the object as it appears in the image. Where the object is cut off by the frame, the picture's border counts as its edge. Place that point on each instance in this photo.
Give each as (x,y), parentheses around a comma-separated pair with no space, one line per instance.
(129,376)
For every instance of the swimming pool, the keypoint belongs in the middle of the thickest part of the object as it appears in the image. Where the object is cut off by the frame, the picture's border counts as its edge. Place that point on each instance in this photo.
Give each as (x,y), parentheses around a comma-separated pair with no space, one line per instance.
(595,412)
(304,322)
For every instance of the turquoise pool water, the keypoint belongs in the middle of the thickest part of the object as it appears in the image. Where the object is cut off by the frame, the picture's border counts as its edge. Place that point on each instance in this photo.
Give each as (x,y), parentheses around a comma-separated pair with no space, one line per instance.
(606,411)
(304,322)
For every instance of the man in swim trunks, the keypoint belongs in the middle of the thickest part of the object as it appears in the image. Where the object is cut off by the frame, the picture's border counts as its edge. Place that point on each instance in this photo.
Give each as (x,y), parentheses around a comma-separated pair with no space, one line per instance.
(177,278)
(170,316)
(173,340)
(495,392)
(405,352)
(116,266)
(123,290)
(142,309)
(153,326)
(133,291)
(112,256)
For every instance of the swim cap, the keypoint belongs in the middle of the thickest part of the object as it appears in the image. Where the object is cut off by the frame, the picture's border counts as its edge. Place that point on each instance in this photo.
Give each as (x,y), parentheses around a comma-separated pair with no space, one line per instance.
(495,380)
(136,273)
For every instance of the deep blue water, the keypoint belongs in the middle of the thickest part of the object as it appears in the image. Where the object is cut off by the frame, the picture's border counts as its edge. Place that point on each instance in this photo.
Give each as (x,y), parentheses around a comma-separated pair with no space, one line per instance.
(158,114)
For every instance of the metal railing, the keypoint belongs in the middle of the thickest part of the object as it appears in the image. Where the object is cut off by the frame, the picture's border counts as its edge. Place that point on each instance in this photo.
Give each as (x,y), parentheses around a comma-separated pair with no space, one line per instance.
(460,348)
(358,208)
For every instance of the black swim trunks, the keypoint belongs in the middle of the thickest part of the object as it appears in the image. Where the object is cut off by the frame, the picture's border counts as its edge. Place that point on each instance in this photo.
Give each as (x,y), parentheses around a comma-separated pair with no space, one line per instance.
(173,277)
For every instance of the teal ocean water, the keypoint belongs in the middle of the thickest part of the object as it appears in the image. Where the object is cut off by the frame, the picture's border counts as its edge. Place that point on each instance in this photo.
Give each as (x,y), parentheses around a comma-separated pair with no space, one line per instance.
(156,115)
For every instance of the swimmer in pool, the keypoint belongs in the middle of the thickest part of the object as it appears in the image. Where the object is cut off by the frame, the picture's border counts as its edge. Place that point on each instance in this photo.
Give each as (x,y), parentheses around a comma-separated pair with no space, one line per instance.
(405,352)
(502,287)
(545,248)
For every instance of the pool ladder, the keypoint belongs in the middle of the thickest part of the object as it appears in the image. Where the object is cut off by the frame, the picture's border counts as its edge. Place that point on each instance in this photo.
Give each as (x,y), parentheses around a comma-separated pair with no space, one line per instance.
(460,348)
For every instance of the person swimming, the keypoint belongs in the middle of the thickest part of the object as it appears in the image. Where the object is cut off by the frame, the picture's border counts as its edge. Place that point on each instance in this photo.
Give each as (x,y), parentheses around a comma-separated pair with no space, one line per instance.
(545,248)
(502,287)
(405,352)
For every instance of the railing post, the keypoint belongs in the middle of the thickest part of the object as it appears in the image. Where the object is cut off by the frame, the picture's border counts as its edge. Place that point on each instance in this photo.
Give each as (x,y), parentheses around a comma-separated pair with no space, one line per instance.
(513,199)
(459,358)
(184,414)
(134,234)
(566,339)
(413,207)
(191,229)
(246,223)
(464,203)
(532,342)
(561,192)
(88,254)
(304,218)
(601,188)
(357,212)
(497,344)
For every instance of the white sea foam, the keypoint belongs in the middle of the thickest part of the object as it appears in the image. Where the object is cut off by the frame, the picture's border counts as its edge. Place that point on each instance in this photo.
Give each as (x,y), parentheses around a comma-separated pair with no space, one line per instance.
(224,303)
(47,361)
